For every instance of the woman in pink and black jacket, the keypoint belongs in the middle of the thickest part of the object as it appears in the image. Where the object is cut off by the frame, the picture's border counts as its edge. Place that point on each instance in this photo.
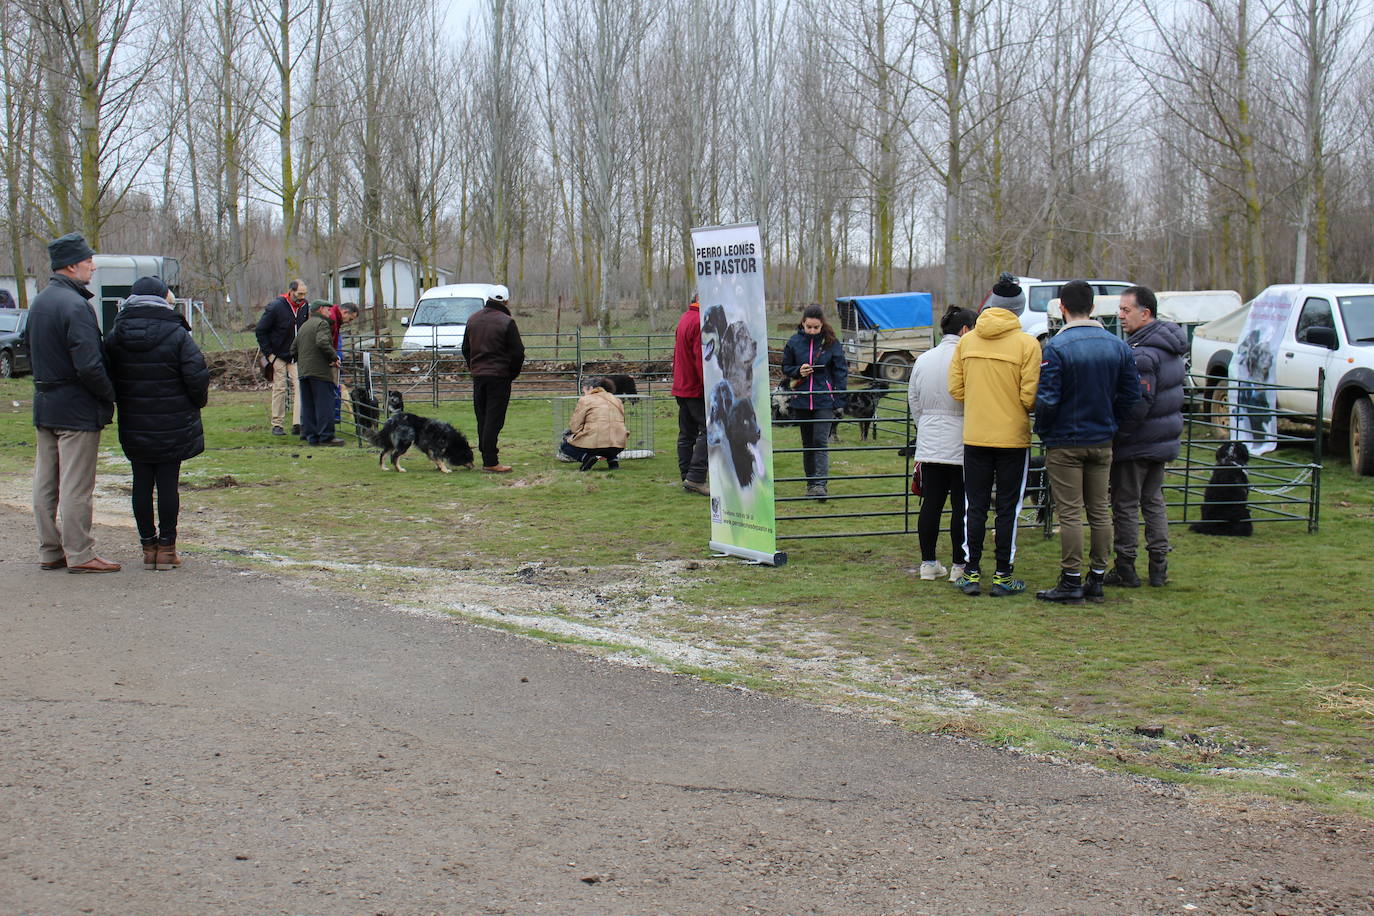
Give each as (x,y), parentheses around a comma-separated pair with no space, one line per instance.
(816,372)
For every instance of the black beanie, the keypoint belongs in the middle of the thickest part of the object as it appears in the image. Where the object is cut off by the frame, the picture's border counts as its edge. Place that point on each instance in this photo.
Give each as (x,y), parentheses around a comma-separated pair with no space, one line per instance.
(1006,294)
(149,286)
(68,250)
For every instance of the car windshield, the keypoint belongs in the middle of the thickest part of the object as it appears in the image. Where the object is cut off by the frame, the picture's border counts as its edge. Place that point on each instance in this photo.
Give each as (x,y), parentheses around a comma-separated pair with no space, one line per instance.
(432,312)
(1040,296)
(1357,312)
(9,323)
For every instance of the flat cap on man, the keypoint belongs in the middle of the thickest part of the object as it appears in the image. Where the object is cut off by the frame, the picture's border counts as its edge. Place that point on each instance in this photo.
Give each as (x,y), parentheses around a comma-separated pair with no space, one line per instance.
(68,250)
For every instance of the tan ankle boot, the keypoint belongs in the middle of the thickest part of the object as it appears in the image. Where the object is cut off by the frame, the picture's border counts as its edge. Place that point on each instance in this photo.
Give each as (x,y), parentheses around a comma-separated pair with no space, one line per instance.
(150,555)
(167,557)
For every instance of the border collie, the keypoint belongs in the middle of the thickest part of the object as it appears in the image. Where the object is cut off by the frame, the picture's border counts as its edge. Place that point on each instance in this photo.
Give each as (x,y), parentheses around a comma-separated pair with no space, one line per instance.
(440,442)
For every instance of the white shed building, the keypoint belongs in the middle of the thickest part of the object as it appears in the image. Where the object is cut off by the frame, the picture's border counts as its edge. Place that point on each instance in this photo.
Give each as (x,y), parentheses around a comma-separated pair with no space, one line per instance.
(400,287)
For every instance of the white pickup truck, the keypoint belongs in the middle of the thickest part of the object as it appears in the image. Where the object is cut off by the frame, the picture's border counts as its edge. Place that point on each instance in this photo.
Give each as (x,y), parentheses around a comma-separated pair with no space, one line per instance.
(1329,326)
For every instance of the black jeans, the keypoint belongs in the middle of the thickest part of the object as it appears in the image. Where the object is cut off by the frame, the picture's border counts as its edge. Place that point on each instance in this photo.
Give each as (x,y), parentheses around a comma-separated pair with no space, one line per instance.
(162,475)
(611,452)
(691,439)
(490,398)
(941,483)
(317,410)
(984,467)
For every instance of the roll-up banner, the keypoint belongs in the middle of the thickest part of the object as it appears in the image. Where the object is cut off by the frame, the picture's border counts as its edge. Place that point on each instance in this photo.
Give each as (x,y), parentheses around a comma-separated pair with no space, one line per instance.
(734,351)
(1254,369)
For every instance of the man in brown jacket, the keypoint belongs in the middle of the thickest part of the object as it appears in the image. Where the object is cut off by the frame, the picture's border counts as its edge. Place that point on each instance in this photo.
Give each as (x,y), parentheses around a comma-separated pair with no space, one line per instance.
(495,355)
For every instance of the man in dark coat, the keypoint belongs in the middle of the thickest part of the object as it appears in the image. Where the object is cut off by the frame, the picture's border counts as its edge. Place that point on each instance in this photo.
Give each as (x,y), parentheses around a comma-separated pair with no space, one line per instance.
(313,352)
(1145,446)
(275,330)
(73,400)
(161,382)
(495,355)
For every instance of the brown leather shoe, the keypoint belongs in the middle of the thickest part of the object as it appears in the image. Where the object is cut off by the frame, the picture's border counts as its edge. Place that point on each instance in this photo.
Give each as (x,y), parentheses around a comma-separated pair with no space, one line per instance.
(94,565)
(167,557)
(60,563)
(150,555)
(497,468)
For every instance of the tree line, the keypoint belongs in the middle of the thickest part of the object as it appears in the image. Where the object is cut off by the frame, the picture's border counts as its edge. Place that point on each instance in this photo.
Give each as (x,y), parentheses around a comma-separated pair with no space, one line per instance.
(566,147)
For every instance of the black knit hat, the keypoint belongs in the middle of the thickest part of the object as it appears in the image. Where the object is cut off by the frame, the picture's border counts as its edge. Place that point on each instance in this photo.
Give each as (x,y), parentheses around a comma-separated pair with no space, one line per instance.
(149,286)
(68,250)
(1006,294)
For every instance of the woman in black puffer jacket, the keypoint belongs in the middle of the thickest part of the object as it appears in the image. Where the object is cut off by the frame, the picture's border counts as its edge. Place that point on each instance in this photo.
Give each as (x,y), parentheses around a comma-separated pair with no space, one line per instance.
(161,383)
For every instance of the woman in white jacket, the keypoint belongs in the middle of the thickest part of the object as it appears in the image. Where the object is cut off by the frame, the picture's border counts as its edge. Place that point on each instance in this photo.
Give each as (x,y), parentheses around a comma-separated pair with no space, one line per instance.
(939,423)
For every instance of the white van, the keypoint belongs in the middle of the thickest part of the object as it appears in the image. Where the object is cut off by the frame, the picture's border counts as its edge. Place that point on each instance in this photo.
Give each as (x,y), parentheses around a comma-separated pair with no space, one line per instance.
(1040,292)
(441,316)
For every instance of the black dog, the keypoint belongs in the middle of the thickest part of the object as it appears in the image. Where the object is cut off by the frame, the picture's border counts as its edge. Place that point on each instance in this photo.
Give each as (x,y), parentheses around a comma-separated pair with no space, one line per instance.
(624,384)
(1225,503)
(366,410)
(441,443)
(862,404)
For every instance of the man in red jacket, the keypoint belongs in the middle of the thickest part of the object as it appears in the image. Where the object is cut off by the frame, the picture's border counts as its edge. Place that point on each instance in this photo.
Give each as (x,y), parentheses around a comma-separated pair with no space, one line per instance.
(691,401)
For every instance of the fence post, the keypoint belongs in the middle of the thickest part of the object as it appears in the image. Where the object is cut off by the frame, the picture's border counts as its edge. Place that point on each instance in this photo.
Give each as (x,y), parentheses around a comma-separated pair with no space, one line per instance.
(1315,502)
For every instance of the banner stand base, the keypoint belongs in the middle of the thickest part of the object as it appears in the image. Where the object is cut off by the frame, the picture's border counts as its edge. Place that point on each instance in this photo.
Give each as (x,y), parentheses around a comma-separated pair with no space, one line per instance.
(754,557)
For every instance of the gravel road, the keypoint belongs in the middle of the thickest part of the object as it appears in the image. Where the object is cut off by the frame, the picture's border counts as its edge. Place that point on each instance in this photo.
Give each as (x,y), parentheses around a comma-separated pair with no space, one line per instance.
(214,740)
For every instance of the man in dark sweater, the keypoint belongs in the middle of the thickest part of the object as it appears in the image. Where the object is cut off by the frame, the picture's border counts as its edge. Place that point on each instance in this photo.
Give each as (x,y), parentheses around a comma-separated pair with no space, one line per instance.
(1144,446)
(495,355)
(73,400)
(275,330)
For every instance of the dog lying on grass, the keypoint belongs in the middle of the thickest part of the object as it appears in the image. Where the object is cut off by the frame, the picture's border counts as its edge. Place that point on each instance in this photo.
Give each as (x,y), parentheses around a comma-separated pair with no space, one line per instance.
(440,442)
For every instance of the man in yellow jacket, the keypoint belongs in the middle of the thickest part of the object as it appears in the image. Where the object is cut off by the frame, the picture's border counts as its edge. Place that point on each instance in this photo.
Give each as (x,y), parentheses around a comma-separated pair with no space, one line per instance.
(994,372)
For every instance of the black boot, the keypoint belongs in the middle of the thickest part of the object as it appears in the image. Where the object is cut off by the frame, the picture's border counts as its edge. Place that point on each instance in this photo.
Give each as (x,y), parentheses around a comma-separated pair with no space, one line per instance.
(1068,591)
(588,462)
(1159,569)
(1123,575)
(1092,587)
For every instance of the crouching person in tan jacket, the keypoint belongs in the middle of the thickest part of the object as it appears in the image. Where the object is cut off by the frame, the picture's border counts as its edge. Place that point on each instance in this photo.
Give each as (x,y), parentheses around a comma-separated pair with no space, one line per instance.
(597,429)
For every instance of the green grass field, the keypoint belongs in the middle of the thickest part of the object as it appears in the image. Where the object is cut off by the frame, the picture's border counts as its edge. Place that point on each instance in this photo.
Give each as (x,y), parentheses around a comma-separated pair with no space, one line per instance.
(1256,661)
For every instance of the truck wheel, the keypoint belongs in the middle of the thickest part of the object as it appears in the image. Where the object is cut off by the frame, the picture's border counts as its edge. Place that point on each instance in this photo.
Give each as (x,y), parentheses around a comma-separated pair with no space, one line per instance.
(894,367)
(1217,405)
(6,364)
(1362,437)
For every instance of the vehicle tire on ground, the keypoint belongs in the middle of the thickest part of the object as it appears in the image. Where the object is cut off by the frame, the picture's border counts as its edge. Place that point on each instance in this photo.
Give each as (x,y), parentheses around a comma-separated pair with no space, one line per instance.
(6,364)
(1362,437)
(1217,405)
(894,367)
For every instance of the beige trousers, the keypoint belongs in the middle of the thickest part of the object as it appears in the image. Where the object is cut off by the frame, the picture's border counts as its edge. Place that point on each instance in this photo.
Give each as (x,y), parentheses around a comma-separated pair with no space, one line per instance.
(1078,482)
(281,372)
(64,483)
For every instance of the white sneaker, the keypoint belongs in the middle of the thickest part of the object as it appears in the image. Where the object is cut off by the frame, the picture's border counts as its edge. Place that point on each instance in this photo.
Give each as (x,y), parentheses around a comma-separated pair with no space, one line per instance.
(932,570)
(956,572)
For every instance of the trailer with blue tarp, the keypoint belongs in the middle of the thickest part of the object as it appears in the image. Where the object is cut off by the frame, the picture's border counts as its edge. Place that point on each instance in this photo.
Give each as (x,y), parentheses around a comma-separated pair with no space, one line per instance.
(883,334)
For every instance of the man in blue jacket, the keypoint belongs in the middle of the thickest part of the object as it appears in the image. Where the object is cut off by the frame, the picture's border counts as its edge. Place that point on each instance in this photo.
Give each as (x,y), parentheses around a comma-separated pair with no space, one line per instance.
(1144,446)
(73,400)
(1088,388)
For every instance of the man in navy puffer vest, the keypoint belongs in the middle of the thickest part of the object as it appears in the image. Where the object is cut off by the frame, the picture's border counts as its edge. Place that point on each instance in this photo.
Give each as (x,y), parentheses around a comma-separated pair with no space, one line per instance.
(1144,446)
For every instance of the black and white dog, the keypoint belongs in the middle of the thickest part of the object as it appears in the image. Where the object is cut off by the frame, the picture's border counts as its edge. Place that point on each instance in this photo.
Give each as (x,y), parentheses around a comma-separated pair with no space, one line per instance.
(441,443)
(1226,501)
(862,404)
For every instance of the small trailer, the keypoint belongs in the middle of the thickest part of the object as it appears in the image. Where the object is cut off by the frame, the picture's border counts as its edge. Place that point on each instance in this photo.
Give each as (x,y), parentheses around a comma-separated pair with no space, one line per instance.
(884,334)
